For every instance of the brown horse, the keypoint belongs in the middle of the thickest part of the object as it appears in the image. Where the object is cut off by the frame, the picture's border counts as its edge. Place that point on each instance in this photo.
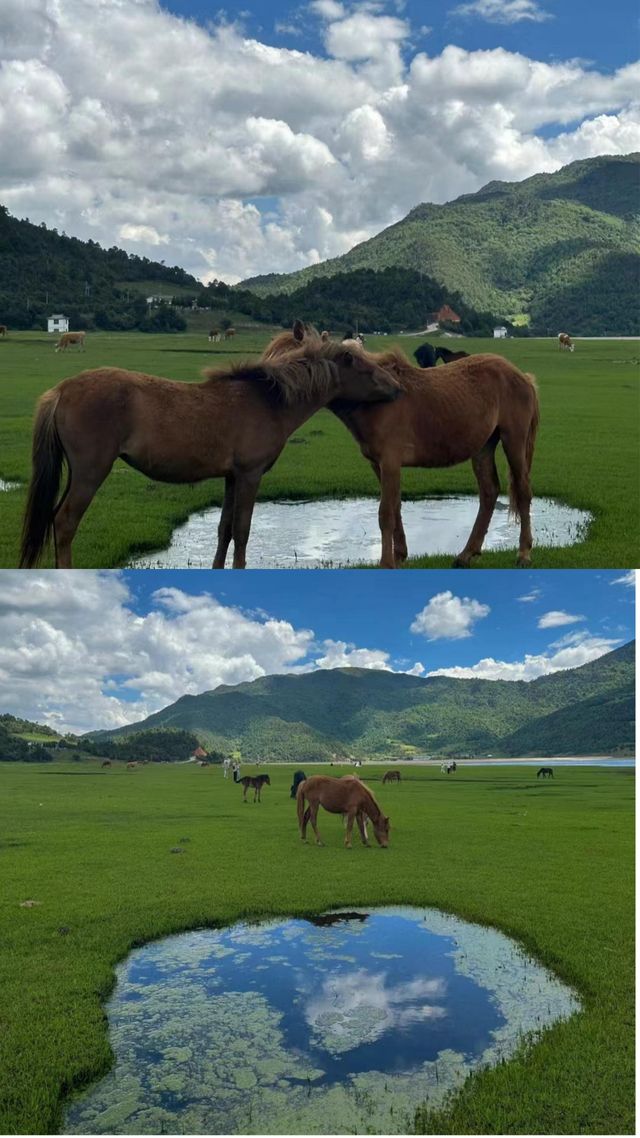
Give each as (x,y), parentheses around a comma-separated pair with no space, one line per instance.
(69,338)
(445,417)
(391,776)
(229,333)
(3,330)
(181,432)
(565,341)
(347,796)
(106,763)
(254,782)
(214,335)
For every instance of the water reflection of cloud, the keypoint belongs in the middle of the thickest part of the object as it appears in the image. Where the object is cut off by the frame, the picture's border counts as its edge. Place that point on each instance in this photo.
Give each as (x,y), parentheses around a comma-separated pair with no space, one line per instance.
(357,1007)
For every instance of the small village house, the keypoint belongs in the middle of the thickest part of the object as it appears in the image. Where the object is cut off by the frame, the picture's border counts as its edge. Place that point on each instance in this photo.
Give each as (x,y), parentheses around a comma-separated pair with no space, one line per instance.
(500,333)
(58,323)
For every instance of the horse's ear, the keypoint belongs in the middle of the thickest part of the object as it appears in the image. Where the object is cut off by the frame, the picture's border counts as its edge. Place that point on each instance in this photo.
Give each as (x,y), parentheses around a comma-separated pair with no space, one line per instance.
(298,330)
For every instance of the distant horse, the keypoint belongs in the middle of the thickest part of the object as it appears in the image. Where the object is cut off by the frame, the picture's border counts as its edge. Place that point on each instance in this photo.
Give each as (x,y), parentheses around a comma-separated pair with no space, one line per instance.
(67,339)
(131,766)
(229,333)
(226,767)
(255,782)
(346,796)
(204,763)
(445,416)
(391,776)
(3,330)
(545,772)
(106,763)
(425,355)
(298,777)
(448,768)
(234,424)
(449,357)
(214,335)
(565,341)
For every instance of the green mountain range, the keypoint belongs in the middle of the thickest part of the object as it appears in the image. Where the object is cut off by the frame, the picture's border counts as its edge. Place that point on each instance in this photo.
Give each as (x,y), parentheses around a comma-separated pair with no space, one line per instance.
(562,248)
(362,712)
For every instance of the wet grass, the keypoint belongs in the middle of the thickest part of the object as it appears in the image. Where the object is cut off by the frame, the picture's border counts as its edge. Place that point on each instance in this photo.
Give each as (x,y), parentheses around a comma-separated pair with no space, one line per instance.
(587,454)
(551,865)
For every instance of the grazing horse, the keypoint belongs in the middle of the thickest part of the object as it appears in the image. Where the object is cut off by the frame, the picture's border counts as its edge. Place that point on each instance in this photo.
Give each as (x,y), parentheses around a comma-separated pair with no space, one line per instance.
(444,417)
(565,341)
(106,763)
(131,766)
(545,772)
(68,338)
(233,425)
(346,796)
(255,781)
(214,335)
(298,777)
(449,357)
(3,330)
(391,776)
(229,333)
(425,355)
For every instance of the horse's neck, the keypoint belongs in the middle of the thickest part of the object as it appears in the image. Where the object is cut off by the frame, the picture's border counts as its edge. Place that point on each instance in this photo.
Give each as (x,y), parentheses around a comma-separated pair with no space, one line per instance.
(370,806)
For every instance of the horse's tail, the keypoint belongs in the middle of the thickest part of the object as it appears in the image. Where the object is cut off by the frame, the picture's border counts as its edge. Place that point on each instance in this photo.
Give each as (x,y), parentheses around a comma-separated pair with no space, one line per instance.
(530,443)
(47,459)
(300,803)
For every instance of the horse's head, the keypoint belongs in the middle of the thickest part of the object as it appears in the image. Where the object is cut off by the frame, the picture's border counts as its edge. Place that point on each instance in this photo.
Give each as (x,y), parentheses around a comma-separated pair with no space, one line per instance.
(381,831)
(361,378)
(265,778)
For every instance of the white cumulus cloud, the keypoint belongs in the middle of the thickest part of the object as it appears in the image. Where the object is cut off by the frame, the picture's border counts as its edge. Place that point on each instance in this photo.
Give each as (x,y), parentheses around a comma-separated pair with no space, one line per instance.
(572,652)
(556,617)
(447,617)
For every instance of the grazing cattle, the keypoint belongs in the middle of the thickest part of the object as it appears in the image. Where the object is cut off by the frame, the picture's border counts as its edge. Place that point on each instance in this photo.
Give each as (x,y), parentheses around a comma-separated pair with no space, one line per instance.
(252,782)
(449,357)
(444,417)
(233,425)
(229,333)
(545,772)
(3,330)
(565,341)
(425,356)
(106,763)
(346,796)
(391,776)
(214,335)
(298,777)
(67,340)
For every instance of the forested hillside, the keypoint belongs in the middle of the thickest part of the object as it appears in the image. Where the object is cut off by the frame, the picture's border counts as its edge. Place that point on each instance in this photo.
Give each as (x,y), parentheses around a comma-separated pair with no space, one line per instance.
(562,248)
(375,713)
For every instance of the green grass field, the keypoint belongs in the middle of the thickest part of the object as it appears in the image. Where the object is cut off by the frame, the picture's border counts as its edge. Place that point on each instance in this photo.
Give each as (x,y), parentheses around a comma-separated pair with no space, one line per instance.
(587,453)
(551,865)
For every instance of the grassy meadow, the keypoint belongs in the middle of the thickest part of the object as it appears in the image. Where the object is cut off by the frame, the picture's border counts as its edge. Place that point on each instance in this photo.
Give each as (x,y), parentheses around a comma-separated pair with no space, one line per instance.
(548,863)
(587,454)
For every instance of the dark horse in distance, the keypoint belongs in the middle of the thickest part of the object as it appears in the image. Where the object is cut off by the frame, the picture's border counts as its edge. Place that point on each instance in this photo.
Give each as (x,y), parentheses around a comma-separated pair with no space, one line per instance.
(255,782)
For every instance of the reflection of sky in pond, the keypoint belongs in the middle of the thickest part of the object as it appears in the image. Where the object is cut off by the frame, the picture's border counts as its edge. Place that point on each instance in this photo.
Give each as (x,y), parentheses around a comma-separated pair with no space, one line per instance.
(313,534)
(349,1028)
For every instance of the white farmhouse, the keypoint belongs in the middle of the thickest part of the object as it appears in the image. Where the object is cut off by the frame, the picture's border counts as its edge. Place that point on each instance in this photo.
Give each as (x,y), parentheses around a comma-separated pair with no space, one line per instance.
(57,323)
(500,333)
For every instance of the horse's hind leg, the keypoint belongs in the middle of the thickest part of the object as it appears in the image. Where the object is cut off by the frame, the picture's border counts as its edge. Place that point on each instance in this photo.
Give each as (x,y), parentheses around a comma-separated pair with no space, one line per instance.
(304,824)
(520,494)
(225,525)
(484,468)
(84,483)
(313,818)
(388,512)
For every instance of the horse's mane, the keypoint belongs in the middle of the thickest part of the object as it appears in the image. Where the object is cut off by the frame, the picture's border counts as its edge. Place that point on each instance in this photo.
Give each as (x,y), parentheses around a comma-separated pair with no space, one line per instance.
(295,374)
(373,798)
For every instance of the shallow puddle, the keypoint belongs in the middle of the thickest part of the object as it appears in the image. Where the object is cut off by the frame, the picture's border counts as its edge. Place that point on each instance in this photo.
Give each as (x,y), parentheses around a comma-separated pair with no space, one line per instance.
(326,532)
(341,1025)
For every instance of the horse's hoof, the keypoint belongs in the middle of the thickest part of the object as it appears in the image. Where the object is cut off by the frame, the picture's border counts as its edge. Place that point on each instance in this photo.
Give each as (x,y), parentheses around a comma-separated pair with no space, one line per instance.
(523,562)
(461,562)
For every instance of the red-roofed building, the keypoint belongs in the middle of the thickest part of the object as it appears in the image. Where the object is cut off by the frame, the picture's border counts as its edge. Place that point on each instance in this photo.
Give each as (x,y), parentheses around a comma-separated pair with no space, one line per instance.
(199,753)
(446,315)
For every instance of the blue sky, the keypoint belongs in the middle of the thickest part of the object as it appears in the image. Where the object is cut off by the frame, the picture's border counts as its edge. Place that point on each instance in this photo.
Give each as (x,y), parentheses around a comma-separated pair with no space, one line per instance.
(607,36)
(263,137)
(84,650)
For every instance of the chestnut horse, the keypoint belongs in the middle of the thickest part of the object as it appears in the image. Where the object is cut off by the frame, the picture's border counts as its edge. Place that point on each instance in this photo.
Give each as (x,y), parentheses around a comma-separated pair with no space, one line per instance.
(69,338)
(347,796)
(391,776)
(445,416)
(181,432)
(565,341)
